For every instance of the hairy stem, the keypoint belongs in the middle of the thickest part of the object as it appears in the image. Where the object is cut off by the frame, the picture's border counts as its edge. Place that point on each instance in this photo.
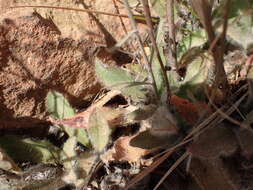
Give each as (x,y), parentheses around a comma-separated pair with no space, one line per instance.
(152,37)
(134,25)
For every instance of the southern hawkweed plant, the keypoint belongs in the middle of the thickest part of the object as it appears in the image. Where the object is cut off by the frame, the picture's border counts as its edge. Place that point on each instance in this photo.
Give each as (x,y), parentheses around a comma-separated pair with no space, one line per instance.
(198,126)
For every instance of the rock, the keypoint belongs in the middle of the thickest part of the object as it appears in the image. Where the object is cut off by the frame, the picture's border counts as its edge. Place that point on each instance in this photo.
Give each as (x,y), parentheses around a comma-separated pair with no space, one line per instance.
(52,50)
(34,59)
(98,27)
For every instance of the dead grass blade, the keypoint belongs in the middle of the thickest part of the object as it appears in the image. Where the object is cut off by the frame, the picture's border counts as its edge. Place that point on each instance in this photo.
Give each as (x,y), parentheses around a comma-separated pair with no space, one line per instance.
(174,166)
(211,120)
(138,18)
(224,115)
(121,20)
(155,164)
(120,43)
(148,170)
(203,9)
(214,119)
(70,9)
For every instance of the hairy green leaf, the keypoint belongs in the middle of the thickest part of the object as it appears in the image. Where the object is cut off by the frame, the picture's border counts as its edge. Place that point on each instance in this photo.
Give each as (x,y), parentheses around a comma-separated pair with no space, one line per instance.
(115,77)
(159,6)
(240,31)
(99,131)
(58,106)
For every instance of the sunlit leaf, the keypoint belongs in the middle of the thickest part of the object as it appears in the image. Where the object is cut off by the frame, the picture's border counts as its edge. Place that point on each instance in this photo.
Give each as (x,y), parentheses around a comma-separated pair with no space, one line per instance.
(99,131)
(115,77)
(69,147)
(58,106)
(159,6)
(237,8)
(70,160)
(240,23)
(240,31)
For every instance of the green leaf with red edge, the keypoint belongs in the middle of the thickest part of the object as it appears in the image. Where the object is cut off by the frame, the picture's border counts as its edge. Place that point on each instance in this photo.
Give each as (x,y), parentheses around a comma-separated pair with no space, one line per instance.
(59,108)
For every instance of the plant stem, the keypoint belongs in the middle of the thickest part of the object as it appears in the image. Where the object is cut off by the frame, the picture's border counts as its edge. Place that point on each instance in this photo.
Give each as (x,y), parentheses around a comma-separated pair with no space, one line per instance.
(172,34)
(152,37)
(204,11)
(138,18)
(134,25)
(174,166)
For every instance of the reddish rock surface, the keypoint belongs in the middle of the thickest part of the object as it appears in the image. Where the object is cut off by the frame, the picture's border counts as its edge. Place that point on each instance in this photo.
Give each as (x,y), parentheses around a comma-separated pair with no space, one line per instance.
(34,59)
(57,53)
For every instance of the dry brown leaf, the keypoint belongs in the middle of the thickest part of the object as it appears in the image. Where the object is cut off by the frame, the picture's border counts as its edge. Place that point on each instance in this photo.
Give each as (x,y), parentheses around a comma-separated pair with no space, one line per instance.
(125,152)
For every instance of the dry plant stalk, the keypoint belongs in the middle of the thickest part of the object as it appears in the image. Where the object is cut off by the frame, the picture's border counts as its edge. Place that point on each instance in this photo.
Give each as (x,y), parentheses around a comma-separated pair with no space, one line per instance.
(174,166)
(203,9)
(152,37)
(172,33)
(147,62)
(71,9)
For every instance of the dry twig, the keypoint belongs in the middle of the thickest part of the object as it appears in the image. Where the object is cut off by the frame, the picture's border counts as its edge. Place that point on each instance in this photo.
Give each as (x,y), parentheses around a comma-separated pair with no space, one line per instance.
(152,37)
